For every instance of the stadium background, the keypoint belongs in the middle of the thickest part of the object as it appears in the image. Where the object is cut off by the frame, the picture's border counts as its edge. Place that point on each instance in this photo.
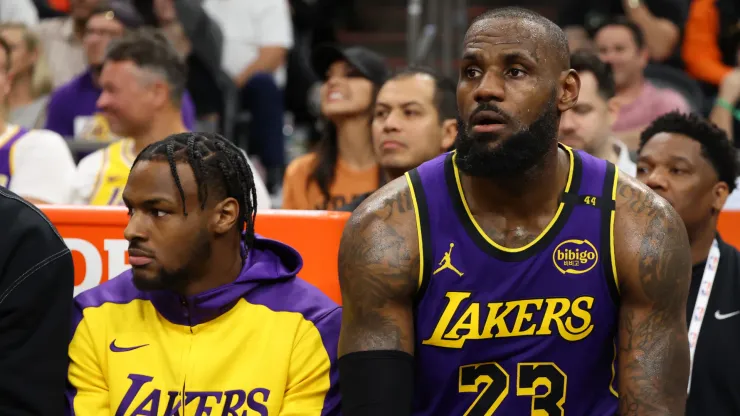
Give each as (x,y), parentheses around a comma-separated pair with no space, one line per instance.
(405,32)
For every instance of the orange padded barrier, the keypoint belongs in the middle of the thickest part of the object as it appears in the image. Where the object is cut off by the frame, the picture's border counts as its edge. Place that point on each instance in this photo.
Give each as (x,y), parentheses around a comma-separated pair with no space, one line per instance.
(95,235)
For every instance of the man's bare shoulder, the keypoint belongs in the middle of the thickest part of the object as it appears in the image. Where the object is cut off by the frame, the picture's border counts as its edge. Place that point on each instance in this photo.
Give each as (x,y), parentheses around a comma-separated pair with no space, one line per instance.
(385,222)
(638,206)
(649,237)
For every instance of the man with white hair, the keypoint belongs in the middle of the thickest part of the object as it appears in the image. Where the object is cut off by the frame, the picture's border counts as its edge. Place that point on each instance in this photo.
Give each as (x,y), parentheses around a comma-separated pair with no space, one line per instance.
(143,82)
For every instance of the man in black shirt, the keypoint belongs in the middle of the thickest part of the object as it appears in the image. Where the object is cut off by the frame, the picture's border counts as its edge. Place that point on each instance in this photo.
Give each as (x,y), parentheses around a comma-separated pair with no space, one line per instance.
(691,163)
(36,285)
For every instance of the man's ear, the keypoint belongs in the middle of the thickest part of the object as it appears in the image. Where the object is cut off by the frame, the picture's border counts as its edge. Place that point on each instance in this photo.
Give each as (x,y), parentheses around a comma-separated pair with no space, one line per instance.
(225,216)
(449,133)
(570,86)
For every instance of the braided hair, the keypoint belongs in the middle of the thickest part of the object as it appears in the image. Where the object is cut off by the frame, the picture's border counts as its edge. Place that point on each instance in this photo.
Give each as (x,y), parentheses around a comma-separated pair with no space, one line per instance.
(219,166)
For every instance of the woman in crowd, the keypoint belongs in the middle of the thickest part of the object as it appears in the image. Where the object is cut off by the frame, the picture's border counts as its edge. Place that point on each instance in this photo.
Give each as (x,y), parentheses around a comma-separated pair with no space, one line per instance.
(343,166)
(31,79)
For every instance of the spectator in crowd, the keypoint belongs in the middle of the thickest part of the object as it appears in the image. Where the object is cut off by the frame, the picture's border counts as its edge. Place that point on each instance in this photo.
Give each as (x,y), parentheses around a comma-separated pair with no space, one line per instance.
(587,126)
(143,82)
(257,37)
(621,44)
(689,162)
(206,301)
(35,164)
(660,20)
(36,283)
(711,50)
(415,120)
(30,76)
(62,37)
(72,110)
(199,40)
(19,11)
(343,165)
(712,41)
(726,112)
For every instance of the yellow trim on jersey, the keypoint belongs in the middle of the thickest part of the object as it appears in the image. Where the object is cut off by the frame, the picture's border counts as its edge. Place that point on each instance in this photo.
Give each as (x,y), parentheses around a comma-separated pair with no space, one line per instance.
(614,371)
(11,160)
(113,174)
(611,229)
(418,230)
(544,232)
(10,132)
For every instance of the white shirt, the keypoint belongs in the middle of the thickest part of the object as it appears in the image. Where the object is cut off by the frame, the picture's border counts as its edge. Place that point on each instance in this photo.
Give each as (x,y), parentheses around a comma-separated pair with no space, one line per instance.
(19,11)
(624,162)
(733,201)
(89,168)
(44,168)
(248,25)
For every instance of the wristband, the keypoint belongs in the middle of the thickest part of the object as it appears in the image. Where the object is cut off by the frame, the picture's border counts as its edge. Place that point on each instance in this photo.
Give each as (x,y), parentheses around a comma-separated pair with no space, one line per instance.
(729,107)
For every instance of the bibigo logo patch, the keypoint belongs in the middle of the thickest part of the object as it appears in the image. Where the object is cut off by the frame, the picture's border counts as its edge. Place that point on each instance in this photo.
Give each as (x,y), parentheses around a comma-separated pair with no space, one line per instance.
(575,256)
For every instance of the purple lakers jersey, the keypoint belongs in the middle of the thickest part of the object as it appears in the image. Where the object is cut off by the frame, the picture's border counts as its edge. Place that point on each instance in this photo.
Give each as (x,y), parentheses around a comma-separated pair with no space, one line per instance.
(7,140)
(516,331)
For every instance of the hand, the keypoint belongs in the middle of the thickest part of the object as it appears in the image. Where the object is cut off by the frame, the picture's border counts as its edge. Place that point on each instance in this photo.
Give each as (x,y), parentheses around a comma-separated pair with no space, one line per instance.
(729,88)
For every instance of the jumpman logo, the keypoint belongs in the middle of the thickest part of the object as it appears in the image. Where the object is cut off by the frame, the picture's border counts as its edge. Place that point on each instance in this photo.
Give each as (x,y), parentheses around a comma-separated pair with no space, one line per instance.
(446,263)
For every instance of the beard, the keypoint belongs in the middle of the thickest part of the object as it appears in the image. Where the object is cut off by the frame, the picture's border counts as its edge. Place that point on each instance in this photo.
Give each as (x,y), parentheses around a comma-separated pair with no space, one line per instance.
(513,156)
(177,279)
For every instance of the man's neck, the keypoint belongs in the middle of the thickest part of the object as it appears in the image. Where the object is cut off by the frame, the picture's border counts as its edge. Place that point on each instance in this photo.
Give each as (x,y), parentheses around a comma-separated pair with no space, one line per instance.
(168,123)
(701,240)
(607,151)
(20,93)
(532,193)
(629,92)
(225,264)
(355,146)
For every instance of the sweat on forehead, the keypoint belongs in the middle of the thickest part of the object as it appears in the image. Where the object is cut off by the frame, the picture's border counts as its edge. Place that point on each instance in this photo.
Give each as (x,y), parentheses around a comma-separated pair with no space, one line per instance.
(525,26)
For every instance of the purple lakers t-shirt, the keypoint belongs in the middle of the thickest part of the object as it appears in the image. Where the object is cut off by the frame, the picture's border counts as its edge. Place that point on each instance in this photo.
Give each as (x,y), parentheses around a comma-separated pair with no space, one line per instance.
(516,331)
(78,98)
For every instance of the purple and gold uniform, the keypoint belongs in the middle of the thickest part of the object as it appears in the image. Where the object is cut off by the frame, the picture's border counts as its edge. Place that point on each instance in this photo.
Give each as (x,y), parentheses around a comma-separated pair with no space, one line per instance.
(516,331)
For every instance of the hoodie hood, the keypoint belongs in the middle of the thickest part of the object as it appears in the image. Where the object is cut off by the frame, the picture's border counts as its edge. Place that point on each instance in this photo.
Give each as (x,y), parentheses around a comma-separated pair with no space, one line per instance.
(268,262)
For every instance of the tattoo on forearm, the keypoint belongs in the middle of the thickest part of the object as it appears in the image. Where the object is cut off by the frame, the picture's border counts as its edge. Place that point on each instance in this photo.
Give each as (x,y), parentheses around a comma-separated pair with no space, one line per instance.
(376,275)
(654,344)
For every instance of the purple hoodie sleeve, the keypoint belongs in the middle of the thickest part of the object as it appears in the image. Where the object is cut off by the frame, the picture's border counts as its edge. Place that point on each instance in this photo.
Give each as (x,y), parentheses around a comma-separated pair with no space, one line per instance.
(329,327)
(188,111)
(58,117)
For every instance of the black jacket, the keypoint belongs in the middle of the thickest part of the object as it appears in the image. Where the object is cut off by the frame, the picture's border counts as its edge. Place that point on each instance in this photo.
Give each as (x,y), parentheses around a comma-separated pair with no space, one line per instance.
(36,289)
(716,371)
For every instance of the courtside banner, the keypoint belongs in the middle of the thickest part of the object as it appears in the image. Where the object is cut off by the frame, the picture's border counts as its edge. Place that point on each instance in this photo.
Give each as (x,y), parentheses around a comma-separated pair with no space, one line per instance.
(95,236)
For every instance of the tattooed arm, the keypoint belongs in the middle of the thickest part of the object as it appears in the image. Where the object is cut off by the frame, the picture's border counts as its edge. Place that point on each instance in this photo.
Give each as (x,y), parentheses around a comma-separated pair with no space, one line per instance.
(378,276)
(654,269)
(378,272)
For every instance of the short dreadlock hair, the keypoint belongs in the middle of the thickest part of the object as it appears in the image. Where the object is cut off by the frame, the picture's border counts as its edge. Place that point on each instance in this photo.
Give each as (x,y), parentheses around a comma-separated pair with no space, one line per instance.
(715,146)
(220,168)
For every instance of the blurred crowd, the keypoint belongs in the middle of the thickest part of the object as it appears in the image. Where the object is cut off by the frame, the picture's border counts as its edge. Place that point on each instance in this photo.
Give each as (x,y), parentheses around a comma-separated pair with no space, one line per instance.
(87,84)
